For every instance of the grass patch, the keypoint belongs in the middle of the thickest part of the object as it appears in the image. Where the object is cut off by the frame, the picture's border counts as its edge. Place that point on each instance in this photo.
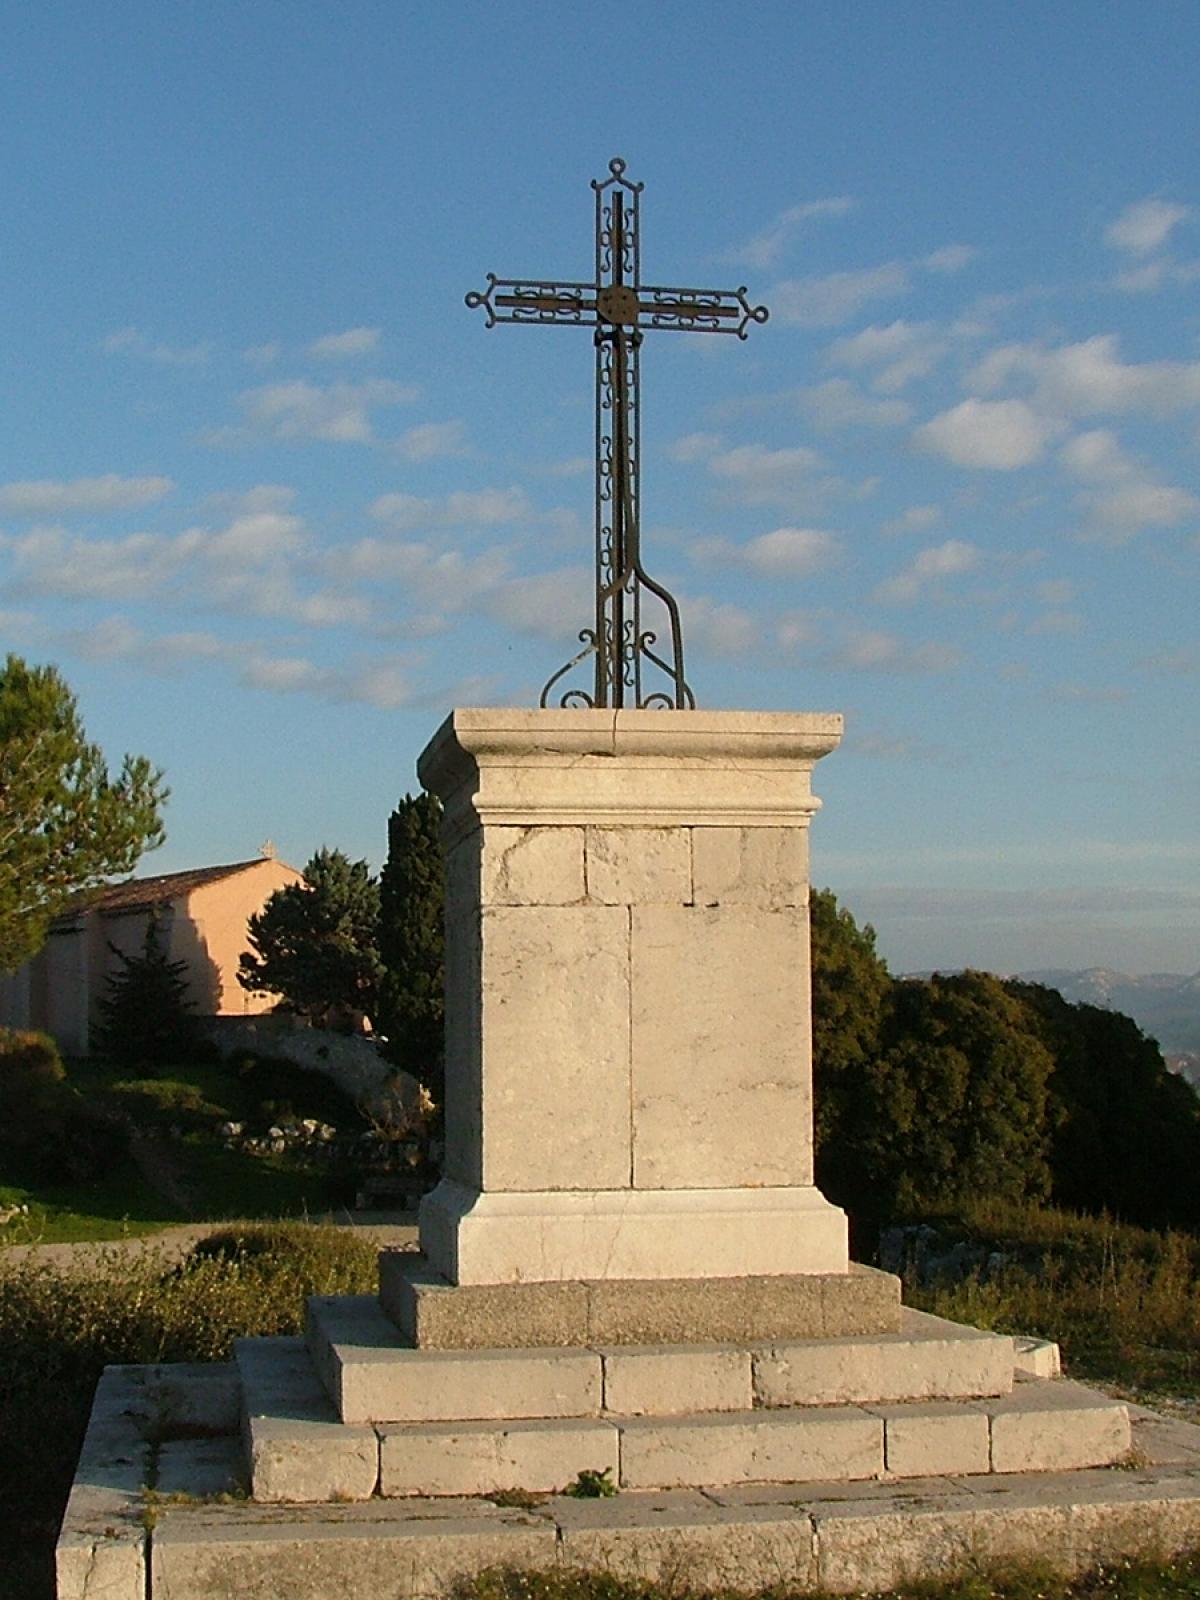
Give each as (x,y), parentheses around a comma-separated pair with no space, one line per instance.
(1122,1302)
(182,1170)
(1124,1580)
(59,1327)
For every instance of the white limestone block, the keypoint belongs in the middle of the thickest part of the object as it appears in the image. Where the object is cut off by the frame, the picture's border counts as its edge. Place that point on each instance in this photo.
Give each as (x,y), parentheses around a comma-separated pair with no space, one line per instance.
(1055,1427)
(657,1380)
(750,866)
(840,1442)
(469,1458)
(532,867)
(934,1439)
(639,866)
(721,1074)
(554,1047)
(1035,1358)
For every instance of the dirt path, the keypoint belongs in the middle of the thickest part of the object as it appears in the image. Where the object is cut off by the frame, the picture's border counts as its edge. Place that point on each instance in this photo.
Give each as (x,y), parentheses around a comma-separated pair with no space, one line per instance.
(390,1229)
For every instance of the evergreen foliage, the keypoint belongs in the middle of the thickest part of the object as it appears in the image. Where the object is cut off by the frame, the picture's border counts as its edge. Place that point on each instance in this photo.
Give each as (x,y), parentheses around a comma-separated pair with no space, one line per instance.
(315,943)
(65,824)
(147,1016)
(933,1091)
(411,941)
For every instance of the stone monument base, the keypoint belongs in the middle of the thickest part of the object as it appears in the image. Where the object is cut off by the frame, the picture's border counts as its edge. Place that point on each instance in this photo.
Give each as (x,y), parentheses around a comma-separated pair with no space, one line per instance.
(561,1235)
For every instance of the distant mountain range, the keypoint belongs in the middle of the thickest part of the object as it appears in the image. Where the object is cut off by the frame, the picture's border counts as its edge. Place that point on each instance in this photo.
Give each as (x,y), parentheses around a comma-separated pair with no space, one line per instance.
(1165,1005)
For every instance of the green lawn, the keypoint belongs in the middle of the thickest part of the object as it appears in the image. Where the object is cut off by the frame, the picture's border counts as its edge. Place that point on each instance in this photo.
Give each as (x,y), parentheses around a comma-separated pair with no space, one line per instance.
(185,1172)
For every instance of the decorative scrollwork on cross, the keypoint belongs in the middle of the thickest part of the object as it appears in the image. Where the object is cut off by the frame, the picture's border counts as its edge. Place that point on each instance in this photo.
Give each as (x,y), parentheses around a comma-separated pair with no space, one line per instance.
(619,308)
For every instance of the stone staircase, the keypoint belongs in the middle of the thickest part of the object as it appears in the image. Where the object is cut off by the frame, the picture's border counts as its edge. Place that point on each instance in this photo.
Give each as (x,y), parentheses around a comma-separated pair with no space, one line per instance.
(355,1410)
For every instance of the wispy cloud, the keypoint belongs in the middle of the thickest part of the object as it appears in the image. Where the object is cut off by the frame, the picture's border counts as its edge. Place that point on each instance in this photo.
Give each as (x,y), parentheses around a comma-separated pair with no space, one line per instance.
(353,342)
(433,441)
(872,650)
(782,553)
(765,248)
(1122,496)
(133,342)
(1145,226)
(299,410)
(896,352)
(930,566)
(1089,378)
(823,302)
(839,403)
(462,508)
(46,497)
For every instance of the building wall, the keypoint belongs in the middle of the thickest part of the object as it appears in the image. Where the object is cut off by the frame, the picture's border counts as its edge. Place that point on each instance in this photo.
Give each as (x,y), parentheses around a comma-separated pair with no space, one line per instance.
(60,990)
(211,936)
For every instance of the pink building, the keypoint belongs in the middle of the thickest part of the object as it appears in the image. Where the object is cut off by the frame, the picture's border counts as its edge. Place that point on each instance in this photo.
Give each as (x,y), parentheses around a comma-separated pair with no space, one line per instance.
(201,916)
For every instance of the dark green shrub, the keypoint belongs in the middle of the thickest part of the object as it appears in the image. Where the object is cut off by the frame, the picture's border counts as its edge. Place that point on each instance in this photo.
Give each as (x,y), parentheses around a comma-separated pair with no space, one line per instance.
(31,1075)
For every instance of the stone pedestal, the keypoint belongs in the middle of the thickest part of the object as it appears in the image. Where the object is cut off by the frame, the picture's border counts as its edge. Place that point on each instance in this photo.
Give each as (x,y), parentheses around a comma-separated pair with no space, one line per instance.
(628,1049)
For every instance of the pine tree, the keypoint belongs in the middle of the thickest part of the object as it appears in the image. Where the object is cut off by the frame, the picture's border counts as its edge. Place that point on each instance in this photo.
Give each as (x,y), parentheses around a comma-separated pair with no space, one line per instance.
(315,943)
(411,940)
(147,1011)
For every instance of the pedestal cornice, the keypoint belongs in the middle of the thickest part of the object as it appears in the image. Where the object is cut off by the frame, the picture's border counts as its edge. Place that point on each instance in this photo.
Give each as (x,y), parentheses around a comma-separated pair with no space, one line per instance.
(627,768)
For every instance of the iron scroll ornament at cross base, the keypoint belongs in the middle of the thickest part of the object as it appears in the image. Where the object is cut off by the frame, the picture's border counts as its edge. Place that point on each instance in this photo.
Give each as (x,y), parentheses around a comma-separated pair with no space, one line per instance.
(619,309)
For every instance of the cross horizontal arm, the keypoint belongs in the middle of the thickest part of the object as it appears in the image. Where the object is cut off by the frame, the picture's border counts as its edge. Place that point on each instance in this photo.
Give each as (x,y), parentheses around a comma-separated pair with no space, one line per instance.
(698,310)
(535,300)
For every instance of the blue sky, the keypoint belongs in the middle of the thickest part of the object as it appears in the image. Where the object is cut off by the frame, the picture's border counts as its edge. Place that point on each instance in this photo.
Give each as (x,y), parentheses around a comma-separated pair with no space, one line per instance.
(274,500)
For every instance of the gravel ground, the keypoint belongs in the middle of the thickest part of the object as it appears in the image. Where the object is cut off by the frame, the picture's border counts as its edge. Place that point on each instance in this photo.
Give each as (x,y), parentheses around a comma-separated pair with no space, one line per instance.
(393,1229)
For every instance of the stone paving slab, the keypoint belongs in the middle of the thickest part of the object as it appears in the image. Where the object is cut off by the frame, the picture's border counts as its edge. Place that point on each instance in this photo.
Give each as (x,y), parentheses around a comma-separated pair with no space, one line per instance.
(849,1537)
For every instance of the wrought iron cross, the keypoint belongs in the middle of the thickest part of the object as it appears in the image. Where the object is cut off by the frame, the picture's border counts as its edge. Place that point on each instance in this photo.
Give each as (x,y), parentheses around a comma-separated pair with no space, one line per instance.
(619,308)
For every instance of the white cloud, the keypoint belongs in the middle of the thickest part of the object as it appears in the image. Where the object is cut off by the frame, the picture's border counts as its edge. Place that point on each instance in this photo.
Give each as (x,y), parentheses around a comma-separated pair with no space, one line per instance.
(133,342)
(864,650)
(716,627)
(916,519)
(695,447)
(549,605)
(789,552)
(762,476)
(384,683)
(996,434)
(431,441)
(823,302)
(1095,456)
(353,342)
(766,247)
(899,351)
(44,497)
(340,412)
(1055,592)
(839,403)
(49,561)
(1089,377)
(407,513)
(793,629)
(444,579)
(938,561)
(1122,495)
(950,258)
(256,537)
(1145,225)
(1131,506)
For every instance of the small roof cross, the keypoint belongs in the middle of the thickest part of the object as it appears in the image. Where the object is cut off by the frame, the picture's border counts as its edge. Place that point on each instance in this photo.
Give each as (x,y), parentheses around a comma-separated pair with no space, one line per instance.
(619,309)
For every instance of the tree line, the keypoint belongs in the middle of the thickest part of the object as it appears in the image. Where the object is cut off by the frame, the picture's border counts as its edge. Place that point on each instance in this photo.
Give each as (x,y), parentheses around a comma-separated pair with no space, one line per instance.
(927,1090)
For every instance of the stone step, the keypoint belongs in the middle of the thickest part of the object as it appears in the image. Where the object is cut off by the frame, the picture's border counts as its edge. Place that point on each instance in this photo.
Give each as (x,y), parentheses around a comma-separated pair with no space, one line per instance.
(296,1450)
(372,1375)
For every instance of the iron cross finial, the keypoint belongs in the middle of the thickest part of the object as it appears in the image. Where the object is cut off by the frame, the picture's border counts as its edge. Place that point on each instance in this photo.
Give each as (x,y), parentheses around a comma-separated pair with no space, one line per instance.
(619,308)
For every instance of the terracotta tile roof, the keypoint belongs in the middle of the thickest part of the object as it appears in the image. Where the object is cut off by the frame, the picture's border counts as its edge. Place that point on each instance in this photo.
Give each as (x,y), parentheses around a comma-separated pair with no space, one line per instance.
(138,894)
